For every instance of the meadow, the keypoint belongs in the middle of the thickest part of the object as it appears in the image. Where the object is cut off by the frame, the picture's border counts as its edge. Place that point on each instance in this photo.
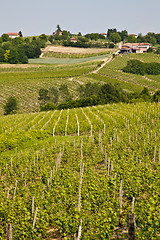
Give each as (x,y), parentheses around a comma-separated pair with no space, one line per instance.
(82,168)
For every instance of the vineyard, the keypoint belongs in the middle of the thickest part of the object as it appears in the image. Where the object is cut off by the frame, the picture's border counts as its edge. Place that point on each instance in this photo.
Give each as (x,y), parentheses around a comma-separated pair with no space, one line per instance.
(24,82)
(113,70)
(81,172)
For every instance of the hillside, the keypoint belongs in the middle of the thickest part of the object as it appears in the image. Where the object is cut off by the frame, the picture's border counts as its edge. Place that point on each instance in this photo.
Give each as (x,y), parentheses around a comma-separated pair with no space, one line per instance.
(74,178)
(25,81)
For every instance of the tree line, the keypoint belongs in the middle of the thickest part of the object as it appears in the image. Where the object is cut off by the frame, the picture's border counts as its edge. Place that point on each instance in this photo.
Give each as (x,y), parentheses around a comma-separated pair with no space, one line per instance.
(19,49)
(137,67)
(92,94)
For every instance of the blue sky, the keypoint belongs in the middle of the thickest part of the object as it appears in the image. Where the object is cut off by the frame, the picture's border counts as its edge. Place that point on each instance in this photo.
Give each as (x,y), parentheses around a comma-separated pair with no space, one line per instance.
(34,17)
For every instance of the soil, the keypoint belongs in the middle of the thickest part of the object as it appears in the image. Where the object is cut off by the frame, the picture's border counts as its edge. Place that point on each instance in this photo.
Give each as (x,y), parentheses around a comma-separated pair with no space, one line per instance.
(73,50)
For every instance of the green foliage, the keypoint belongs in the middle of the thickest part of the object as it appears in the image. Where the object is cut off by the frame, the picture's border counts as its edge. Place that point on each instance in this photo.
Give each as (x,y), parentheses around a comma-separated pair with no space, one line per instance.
(156,96)
(88,89)
(48,106)
(135,66)
(94,36)
(114,37)
(124,151)
(138,67)
(7,56)
(5,37)
(43,96)
(53,94)
(11,106)
(131,39)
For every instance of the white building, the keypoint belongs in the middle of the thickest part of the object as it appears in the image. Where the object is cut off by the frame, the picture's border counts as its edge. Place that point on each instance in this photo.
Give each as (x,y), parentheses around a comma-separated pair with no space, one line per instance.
(13,35)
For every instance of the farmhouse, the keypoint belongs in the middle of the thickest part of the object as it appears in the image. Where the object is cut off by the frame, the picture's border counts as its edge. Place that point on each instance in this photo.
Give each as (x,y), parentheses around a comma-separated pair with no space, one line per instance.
(73,40)
(135,48)
(104,34)
(134,35)
(13,35)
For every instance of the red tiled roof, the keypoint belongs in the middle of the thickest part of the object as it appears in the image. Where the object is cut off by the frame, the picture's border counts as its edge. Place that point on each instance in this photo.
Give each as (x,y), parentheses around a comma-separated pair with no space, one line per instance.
(12,34)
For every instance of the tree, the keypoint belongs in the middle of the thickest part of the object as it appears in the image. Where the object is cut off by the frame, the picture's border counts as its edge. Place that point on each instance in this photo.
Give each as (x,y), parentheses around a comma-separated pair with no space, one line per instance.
(20,34)
(43,96)
(58,29)
(131,39)
(110,31)
(5,37)
(11,106)
(124,35)
(7,56)
(114,37)
(53,94)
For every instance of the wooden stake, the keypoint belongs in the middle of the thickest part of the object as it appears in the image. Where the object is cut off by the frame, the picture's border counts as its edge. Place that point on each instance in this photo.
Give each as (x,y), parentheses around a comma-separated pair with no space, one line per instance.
(120,197)
(8,231)
(133,199)
(132,227)
(34,220)
(32,205)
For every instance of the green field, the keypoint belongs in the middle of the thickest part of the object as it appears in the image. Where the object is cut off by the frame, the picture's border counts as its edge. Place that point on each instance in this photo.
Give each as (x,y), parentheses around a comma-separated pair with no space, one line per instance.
(67,60)
(75,180)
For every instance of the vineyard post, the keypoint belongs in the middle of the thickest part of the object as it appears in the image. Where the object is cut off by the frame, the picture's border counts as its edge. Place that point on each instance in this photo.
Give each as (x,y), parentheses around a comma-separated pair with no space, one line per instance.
(43,191)
(91,130)
(8,231)
(32,205)
(154,159)
(115,185)
(15,188)
(51,176)
(79,230)
(133,199)
(108,165)
(120,197)
(120,200)
(34,220)
(132,227)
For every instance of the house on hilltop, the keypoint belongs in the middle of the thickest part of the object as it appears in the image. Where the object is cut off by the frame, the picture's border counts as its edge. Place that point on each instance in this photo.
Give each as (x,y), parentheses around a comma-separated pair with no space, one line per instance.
(104,34)
(135,48)
(73,40)
(13,35)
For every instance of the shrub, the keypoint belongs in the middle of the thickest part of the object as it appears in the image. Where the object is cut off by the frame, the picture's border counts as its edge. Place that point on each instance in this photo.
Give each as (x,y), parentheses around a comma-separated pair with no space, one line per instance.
(11,106)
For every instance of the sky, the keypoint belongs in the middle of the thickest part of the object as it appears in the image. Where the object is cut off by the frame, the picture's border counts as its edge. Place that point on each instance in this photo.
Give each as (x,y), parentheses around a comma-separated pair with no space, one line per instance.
(35,17)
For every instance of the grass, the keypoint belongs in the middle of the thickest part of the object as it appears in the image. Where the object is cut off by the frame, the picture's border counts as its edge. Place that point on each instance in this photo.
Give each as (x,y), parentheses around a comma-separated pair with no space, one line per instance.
(67,60)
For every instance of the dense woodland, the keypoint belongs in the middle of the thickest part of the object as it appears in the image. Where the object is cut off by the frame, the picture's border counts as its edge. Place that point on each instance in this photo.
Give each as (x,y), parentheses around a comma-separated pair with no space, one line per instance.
(19,49)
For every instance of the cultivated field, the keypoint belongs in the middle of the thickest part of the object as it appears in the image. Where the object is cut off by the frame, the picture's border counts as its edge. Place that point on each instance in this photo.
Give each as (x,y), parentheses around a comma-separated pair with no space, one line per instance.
(74,50)
(24,81)
(84,168)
